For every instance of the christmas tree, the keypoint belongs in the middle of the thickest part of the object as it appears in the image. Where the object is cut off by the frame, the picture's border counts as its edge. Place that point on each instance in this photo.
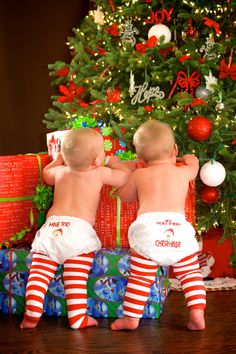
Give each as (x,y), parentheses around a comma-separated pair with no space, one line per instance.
(133,60)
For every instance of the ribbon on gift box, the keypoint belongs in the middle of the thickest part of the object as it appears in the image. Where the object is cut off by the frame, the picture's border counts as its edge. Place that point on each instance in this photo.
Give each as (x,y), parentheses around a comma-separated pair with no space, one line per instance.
(42,199)
(113,194)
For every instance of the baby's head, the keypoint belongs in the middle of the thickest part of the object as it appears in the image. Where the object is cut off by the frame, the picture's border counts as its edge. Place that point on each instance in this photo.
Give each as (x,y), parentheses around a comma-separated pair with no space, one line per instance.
(154,140)
(82,148)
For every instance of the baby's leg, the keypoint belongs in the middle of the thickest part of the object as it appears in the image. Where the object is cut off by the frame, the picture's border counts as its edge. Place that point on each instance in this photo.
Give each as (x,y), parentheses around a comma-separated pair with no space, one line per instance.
(75,278)
(142,275)
(42,271)
(188,272)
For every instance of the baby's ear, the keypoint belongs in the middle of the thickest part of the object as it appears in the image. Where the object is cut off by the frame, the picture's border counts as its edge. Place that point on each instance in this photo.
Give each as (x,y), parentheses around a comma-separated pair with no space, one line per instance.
(175,150)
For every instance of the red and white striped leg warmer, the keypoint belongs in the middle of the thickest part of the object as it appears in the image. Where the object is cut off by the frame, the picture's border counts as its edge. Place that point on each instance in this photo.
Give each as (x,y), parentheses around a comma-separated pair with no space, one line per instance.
(187,271)
(142,275)
(75,276)
(42,271)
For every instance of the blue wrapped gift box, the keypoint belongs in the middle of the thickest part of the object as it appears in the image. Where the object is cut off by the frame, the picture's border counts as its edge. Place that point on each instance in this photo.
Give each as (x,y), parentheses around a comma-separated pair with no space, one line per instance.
(106,285)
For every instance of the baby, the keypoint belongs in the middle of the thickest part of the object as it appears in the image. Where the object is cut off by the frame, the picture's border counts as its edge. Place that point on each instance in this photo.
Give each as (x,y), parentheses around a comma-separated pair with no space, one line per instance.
(161,235)
(68,236)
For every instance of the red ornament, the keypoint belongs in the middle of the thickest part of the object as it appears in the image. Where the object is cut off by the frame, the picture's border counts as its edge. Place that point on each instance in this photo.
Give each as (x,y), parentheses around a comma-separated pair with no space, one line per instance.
(191,32)
(199,128)
(209,195)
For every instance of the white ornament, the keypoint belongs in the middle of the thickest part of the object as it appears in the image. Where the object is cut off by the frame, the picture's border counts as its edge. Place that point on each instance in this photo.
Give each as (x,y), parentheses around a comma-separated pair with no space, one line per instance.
(210,80)
(128,33)
(212,173)
(98,16)
(160,30)
(144,93)
(131,84)
(208,49)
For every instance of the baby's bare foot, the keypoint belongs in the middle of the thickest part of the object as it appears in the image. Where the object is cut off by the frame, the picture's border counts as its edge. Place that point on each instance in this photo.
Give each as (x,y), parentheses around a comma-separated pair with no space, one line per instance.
(125,323)
(91,322)
(196,320)
(25,324)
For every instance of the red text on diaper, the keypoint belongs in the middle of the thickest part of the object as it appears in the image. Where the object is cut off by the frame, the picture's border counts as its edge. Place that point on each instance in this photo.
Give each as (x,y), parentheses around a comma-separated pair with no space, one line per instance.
(59,224)
(168,223)
(165,243)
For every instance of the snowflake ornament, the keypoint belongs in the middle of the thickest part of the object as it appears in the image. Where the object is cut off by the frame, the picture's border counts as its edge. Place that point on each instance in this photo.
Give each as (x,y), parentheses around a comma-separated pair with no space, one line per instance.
(210,80)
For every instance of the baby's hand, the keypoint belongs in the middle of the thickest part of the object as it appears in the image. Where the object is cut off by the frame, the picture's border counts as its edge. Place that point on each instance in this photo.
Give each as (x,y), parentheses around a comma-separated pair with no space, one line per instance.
(111,161)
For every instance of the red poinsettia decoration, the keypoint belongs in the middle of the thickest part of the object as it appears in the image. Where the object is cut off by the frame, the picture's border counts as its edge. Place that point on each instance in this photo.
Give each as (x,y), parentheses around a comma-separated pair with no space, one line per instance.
(148,108)
(184,57)
(113,96)
(210,23)
(113,30)
(62,72)
(70,93)
(150,43)
(227,71)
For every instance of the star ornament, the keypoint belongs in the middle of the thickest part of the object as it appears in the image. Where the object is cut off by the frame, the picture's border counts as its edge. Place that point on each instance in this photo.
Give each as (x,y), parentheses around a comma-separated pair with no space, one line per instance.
(98,16)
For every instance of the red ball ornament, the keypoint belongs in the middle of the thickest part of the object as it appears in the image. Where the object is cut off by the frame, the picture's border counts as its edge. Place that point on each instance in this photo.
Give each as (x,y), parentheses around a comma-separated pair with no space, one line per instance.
(209,195)
(191,32)
(199,128)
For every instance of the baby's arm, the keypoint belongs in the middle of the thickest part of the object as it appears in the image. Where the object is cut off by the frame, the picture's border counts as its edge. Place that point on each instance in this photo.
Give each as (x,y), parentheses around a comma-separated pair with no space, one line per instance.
(115,162)
(128,193)
(49,170)
(191,165)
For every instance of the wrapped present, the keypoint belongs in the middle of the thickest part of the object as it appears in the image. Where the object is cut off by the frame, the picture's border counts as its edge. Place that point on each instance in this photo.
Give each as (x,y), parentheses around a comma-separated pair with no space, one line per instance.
(106,285)
(114,216)
(20,174)
(111,146)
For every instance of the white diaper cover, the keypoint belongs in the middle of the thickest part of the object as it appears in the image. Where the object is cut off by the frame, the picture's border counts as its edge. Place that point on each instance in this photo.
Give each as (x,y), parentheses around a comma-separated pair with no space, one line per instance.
(164,237)
(63,237)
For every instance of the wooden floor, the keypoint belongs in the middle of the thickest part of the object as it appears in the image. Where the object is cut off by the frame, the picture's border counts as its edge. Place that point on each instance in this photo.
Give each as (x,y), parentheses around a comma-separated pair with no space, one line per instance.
(166,335)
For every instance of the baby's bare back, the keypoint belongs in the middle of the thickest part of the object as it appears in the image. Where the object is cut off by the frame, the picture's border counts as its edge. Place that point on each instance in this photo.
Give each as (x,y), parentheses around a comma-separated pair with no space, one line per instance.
(161,188)
(77,194)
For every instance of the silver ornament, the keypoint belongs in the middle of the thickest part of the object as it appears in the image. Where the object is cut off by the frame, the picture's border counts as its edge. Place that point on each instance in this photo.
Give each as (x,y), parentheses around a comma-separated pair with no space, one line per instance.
(201,92)
(220,107)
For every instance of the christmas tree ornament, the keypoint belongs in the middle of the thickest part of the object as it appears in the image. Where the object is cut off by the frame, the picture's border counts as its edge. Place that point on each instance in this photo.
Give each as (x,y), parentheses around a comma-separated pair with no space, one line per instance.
(210,80)
(209,195)
(212,173)
(131,84)
(143,93)
(199,128)
(128,34)
(98,16)
(202,92)
(208,48)
(160,30)
(219,107)
(190,32)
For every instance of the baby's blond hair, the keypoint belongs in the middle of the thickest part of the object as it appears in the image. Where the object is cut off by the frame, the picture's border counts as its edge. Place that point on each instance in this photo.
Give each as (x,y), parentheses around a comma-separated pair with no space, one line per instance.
(80,147)
(154,140)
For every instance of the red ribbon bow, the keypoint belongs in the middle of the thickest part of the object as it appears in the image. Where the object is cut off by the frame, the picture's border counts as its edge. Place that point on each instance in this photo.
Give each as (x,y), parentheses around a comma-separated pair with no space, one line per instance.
(188,82)
(226,71)
(150,43)
(210,23)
